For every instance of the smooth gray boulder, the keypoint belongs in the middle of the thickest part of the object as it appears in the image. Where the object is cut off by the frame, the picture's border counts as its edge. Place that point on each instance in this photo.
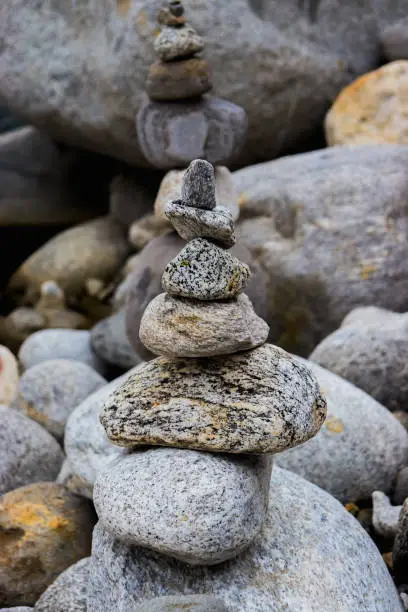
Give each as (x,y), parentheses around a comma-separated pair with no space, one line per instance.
(68,592)
(329,227)
(360,447)
(49,391)
(198,603)
(370,349)
(60,344)
(296,563)
(110,342)
(298,54)
(28,453)
(200,508)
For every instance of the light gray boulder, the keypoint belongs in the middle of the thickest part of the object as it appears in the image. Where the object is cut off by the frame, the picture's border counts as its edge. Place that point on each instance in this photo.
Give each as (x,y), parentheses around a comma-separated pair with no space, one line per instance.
(360,447)
(298,54)
(329,227)
(198,603)
(110,342)
(49,391)
(28,453)
(68,592)
(49,344)
(181,327)
(259,401)
(385,516)
(297,563)
(370,349)
(199,508)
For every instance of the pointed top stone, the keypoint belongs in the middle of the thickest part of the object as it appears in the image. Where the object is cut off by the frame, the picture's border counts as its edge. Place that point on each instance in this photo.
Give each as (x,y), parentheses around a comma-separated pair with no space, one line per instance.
(198,189)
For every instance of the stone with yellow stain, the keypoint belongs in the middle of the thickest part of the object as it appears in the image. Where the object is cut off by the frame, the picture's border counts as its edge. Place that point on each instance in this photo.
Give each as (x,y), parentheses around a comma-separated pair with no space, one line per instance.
(43,530)
(8,376)
(373,109)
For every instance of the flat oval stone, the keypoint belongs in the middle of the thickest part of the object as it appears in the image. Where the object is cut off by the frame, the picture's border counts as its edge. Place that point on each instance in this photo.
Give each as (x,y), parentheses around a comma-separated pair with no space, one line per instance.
(169,81)
(190,223)
(260,401)
(177,43)
(203,271)
(157,497)
(180,327)
(172,135)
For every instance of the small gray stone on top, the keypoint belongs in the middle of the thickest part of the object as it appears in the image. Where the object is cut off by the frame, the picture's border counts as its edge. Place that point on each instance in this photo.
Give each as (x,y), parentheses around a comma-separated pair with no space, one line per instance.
(200,508)
(181,327)
(198,188)
(68,592)
(28,453)
(177,43)
(59,344)
(182,603)
(203,271)
(110,342)
(385,516)
(190,223)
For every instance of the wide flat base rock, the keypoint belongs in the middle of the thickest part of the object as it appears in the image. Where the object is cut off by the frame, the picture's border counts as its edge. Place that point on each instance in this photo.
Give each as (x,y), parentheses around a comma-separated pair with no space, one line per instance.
(311,555)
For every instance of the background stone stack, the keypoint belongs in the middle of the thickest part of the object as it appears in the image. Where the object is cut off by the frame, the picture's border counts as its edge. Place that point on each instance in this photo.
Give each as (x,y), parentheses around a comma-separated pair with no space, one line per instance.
(177,122)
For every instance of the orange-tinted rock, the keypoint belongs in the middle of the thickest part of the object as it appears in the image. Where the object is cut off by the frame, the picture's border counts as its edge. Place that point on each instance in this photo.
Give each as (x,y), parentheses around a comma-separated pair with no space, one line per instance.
(43,530)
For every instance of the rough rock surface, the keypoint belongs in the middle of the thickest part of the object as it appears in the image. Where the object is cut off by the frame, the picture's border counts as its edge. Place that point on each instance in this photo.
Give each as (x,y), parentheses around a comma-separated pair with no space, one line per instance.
(329,227)
(157,498)
(95,249)
(181,327)
(68,592)
(110,342)
(198,603)
(44,529)
(145,282)
(8,376)
(260,401)
(190,223)
(360,447)
(385,516)
(59,344)
(296,54)
(370,349)
(400,550)
(49,391)
(296,563)
(28,453)
(198,187)
(205,272)
(373,109)
(186,78)
(177,43)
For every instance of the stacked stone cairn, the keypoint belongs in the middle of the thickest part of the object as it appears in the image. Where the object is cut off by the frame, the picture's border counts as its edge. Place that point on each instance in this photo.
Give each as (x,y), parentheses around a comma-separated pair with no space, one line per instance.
(217,387)
(177,122)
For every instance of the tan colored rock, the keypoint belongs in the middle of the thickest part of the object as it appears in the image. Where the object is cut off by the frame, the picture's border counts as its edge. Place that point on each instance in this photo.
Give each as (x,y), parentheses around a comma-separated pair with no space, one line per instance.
(181,327)
(143,230)
(8,376)
(372,109)
(178,80)
(43,530)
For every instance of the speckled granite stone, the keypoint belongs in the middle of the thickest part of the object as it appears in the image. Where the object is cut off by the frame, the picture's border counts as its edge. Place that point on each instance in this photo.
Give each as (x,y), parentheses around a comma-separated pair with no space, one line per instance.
(190,223)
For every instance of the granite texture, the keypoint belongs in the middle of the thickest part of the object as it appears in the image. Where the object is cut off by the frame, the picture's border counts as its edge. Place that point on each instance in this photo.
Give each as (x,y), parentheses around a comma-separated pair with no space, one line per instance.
(190,223)
(260,401)
(68,592)
(198,186)
(197,603)
(177,43)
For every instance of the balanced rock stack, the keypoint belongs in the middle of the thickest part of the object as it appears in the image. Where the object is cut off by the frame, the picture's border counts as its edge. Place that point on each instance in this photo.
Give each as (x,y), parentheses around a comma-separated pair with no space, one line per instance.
(215,387)
(177,122)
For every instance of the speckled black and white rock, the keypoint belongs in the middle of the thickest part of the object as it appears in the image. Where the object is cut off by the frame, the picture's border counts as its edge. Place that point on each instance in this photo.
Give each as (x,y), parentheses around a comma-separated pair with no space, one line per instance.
(49,391)
(181,603)
(400,550)
(59,344)
(360,448)
(385,516)
(110,342)
(177,43)
(200,508)
(260,401)
(311,555)
(204,271)
(181,327)
(198,188)
(28,453)
(68,592)
(190,223)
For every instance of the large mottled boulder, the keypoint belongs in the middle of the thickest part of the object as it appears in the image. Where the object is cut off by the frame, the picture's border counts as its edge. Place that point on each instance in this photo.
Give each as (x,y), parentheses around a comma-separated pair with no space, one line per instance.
(311,554)
(370,349)
(282,61)
(330,228)
(360,448)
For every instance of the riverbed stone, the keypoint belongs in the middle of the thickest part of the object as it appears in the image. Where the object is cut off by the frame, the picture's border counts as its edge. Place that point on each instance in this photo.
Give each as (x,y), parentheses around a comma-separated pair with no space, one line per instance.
(190,223)
(156,498)
(177,43)
(203,271)
(8,375)
(259,401)
(110,342)
(198,186)
(385,516)
(68,592)
(49,391)
(45,529)
(186,78)
(181,327)
(296,562)
(198,603)
(28,453)
(360,448)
